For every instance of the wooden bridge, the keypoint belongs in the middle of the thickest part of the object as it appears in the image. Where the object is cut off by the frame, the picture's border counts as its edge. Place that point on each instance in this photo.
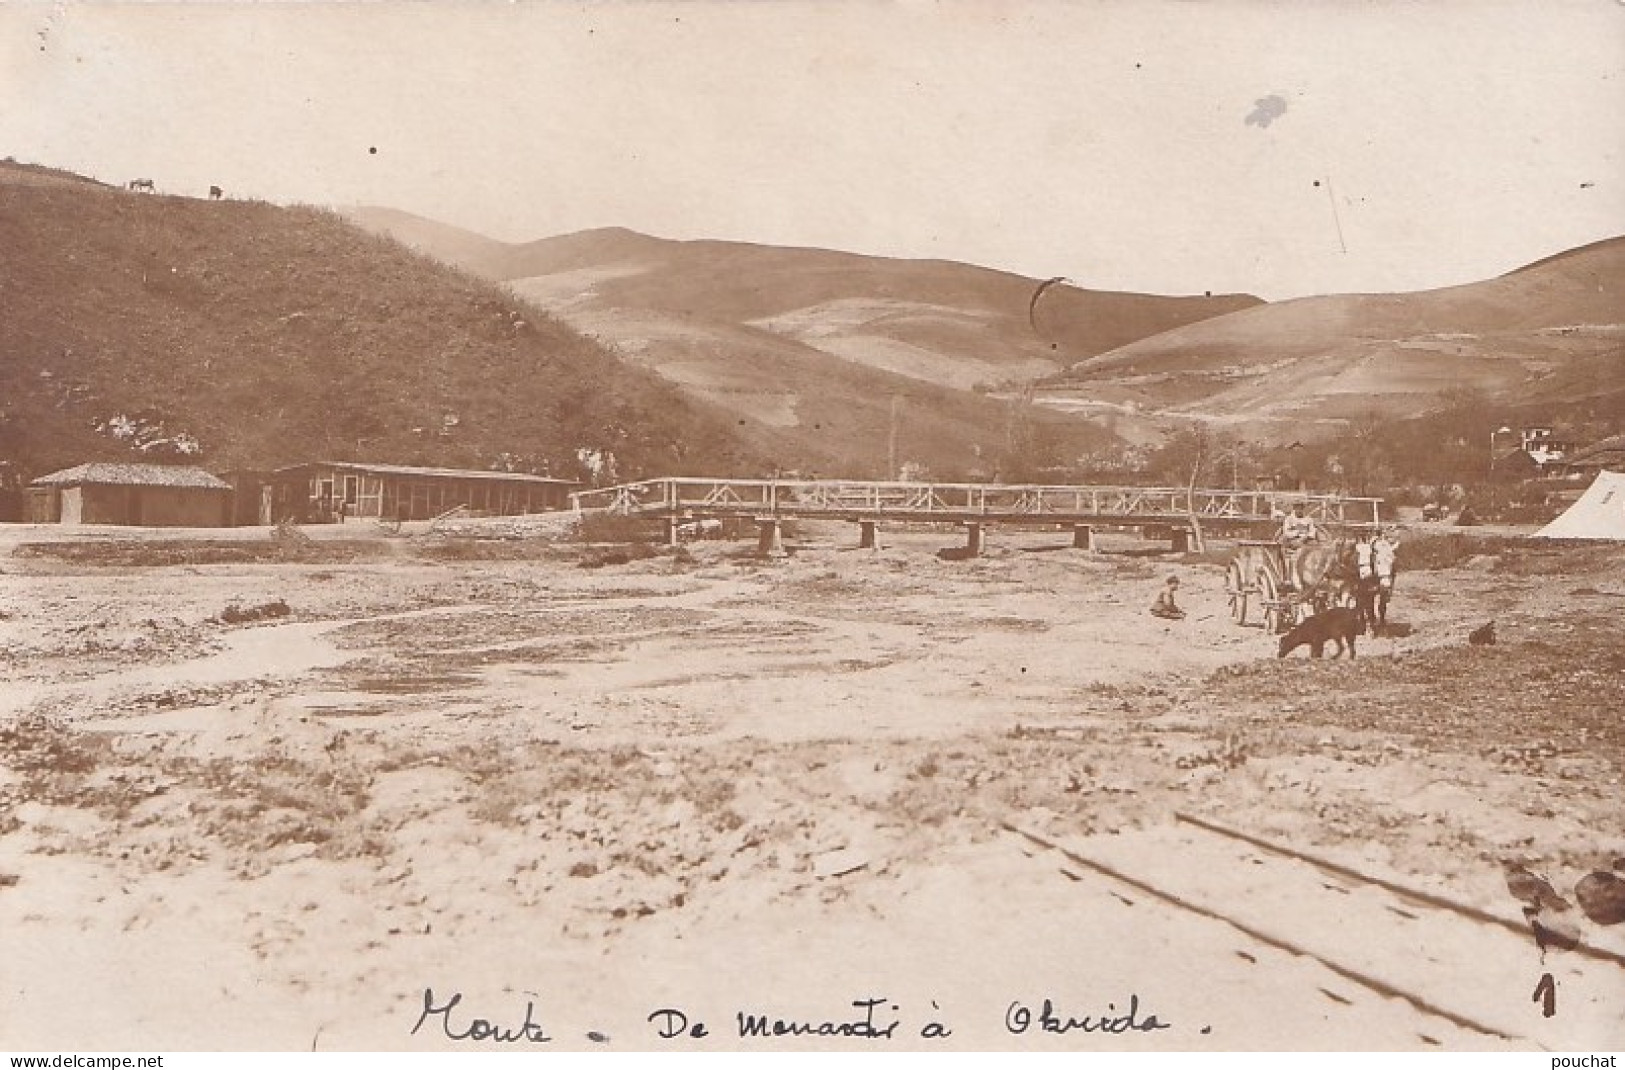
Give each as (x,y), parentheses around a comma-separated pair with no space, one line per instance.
(1160,511)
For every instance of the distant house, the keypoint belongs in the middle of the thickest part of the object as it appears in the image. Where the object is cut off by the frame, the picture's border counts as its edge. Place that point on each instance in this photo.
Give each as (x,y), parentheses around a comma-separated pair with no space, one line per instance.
(329,491)
(1607,454)
(1544,448)
(1513,465)
(145,495)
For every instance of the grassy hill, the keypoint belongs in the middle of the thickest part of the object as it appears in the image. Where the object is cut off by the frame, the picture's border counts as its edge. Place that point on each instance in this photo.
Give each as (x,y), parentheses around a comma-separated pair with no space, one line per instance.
(241,334)
(937,321)
(794,338)
(1545,338)
(812,346)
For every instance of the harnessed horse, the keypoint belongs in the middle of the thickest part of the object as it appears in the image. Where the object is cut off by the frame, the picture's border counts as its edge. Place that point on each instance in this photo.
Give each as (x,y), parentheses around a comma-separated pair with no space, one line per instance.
(1324,573)
(1375,587)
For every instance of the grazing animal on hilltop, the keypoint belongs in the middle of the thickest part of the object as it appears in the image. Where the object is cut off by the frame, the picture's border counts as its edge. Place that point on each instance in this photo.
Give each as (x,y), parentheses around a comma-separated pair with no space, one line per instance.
(215,193)
(138,184)
(1338,625)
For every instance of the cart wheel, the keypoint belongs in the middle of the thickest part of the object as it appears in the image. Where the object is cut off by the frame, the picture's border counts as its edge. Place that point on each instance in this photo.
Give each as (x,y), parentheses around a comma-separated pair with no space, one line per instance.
(1236,588)
(1277,612)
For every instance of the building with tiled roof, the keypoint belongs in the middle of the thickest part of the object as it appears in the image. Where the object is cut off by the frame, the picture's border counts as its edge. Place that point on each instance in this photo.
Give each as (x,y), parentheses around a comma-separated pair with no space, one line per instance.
(1607,454)
(144,495)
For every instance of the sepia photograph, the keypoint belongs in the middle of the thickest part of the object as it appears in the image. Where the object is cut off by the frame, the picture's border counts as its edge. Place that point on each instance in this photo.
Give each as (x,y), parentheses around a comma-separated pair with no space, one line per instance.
(815,525)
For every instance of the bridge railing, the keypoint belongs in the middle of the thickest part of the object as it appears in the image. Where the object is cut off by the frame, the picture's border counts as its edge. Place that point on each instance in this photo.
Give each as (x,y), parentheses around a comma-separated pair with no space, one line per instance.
(954,501)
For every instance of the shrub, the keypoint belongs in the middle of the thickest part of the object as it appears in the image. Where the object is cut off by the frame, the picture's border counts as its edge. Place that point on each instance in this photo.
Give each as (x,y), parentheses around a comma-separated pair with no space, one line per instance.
(612,527)
(233,614)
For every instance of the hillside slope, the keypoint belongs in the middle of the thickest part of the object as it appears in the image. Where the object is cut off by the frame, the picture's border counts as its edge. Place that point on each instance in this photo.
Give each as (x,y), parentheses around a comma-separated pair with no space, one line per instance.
(241,334)
(749,326)
(1551,333)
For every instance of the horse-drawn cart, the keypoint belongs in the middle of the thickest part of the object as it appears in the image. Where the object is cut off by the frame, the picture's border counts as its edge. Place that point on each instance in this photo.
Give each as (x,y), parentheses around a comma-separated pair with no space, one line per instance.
(1253,581)
(1266,586)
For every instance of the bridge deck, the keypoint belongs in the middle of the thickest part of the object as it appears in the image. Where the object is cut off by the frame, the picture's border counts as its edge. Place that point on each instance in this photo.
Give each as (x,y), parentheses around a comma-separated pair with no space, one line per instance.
(990,503)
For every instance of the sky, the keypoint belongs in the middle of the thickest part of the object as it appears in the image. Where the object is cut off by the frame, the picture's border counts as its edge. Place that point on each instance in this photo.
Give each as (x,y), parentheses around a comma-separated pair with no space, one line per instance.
(1274,148)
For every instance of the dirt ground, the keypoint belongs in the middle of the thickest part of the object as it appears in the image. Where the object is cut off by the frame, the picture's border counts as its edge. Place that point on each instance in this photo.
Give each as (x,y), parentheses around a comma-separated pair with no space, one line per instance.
(256,794)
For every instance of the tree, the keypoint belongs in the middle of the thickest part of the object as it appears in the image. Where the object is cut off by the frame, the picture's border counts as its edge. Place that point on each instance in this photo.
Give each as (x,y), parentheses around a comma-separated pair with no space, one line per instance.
(1363,455)
(1220,458)
(1032,444)
(1180,462)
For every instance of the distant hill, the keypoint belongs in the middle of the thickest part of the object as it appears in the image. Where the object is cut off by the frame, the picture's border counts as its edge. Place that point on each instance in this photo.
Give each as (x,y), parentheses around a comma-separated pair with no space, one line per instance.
(30,174)
(937,321)
(788,337)
(1544,338)
(238,334)
(814,344)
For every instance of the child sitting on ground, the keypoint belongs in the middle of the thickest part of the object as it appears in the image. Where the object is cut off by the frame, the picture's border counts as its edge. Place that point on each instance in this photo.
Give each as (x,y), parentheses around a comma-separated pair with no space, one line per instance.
(1164,605)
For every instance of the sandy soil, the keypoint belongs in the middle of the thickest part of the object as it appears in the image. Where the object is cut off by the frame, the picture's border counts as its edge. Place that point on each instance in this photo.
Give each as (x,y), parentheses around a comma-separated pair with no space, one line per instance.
(267,800)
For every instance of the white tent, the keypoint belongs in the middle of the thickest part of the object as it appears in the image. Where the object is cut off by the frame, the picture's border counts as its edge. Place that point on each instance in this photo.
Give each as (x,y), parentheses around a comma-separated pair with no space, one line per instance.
(1599,514)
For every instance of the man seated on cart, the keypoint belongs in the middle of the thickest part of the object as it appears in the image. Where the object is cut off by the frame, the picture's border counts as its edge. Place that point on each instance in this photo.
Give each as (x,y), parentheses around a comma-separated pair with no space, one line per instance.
(1297,530)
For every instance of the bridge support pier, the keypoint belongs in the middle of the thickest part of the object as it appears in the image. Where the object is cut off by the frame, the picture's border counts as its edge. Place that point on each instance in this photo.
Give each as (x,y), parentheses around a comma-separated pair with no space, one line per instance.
(866,535)
(668,530)
(1083,537)
(973,540)
(1182,541)
(769,537)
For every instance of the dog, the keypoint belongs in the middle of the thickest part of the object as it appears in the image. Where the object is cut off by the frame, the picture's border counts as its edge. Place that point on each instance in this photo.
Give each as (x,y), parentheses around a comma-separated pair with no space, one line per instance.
(1339,625)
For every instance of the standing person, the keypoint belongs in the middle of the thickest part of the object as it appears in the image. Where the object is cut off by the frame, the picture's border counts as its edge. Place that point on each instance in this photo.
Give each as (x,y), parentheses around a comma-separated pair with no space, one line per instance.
(1165,606)
(1384,550)
(1365,581)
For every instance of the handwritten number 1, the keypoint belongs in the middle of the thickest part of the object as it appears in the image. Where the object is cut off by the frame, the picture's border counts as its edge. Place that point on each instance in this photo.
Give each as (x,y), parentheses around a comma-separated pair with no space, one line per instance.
(1546,990)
